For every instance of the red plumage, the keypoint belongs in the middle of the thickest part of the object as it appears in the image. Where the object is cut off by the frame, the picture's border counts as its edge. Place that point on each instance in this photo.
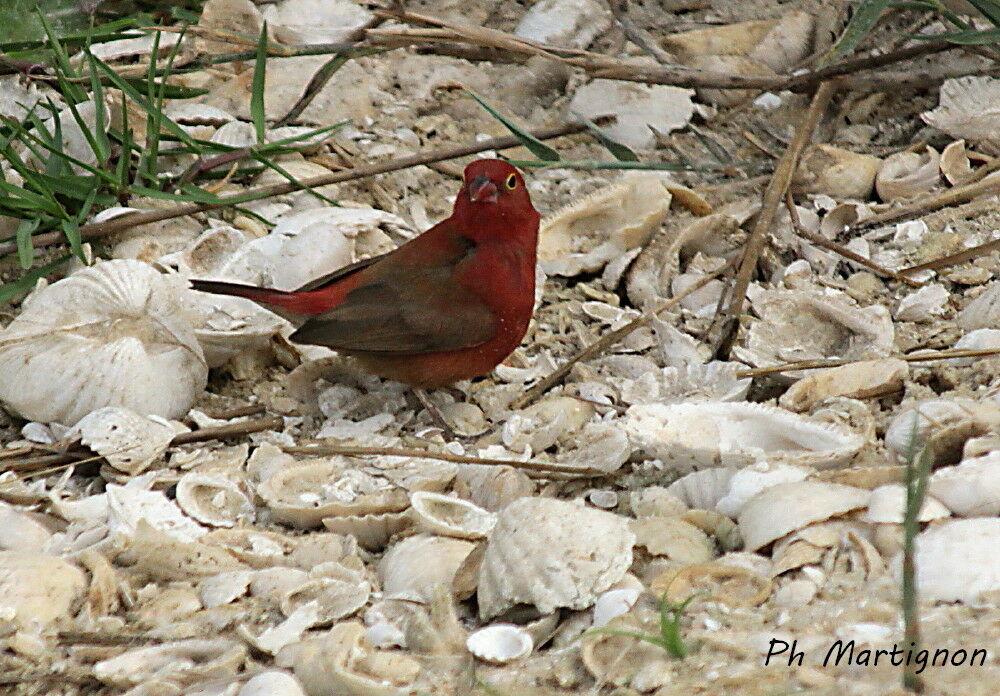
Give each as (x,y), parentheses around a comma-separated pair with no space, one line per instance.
(448,305)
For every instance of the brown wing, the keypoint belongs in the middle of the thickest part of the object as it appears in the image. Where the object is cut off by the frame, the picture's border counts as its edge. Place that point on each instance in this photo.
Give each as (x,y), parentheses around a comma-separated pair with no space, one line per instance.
(410,310)
(317,283)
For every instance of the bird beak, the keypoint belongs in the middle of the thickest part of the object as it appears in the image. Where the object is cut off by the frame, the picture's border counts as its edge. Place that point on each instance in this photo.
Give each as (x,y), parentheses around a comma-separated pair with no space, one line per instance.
(482,189)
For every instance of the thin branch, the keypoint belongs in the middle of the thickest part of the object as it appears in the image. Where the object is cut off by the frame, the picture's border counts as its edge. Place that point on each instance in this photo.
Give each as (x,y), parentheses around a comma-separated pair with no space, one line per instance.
(954,259)
(821,241)
(221,432)
(913,357)
(131,220)
(773,195)
(605,342)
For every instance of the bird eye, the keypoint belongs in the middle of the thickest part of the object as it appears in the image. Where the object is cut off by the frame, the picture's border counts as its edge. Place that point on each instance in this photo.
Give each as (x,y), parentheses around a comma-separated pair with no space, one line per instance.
(511,182)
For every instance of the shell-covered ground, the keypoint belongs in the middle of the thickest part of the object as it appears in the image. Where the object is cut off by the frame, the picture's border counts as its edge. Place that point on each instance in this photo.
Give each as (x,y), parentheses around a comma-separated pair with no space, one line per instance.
(185,509)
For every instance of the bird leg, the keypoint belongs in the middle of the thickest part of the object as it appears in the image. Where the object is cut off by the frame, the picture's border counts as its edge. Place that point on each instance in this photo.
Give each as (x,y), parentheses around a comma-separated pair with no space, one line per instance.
(439,419)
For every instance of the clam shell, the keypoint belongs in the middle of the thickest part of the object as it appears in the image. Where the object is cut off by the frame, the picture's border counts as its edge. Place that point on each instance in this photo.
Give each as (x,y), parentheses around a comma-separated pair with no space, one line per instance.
(942,424)
(316,21)
(412,568)
(955,165)
(272,683)
(38,589)
(578,552)
(614,603)
(617,659)
(702,489)
(801,503)
(983,312)
(305,494)
(572,23)
(923,305)
(970,489)
(657,500)
(672,537)
(888,504)
(640,109)
(339,592)
(908,174)
(711,434)
(181,662)
(22,532)
(751,480)
(967,109)
(861,380)
(836,172)
(256,548)
(587,234)
(733,585)
(809,325)
(372,531)
(130,442)
(543,424)
(213,499)
(104,336)
(500,643)
(492,487)
(166,558)
(343,663)
(954,560)
(442,514)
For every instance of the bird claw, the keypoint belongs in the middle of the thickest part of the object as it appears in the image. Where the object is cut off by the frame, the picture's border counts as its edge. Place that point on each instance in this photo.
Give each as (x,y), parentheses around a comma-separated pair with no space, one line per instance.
(440,421)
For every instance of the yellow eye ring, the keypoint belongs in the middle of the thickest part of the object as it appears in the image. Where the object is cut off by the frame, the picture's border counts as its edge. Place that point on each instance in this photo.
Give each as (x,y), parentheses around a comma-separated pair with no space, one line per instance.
(511,182)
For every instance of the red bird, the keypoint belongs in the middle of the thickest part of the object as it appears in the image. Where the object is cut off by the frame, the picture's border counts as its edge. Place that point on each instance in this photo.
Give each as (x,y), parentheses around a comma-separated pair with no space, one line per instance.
(448,305)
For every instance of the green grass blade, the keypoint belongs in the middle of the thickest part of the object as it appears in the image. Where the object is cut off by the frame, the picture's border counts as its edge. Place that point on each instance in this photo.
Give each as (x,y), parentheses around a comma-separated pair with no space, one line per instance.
(965,38)
(646,638)
(63,68)
(989,9)
(71,228)
(25,248)
(146,168)
(597,165)
(619,151)
(28,279)
(257,88)
(291,179)
(102,146)
(536,146)
(865,18)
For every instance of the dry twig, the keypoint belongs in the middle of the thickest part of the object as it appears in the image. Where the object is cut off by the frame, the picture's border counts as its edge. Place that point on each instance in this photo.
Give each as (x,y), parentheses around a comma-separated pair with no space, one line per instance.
(912,357)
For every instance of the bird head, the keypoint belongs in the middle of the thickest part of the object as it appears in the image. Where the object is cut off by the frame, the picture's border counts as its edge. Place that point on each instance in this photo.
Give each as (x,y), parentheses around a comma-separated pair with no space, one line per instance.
(496,186)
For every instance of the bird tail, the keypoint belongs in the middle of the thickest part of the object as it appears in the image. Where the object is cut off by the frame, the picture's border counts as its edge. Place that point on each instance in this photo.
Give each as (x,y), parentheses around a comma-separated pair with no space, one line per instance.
(280,301)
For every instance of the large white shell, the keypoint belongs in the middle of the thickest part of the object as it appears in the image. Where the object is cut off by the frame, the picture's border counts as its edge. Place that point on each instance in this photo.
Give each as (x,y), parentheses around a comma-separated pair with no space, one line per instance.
(500,643)
(272,683)
(811,325)
(751,480)
(213,499)
(968,108)
(708,434)
(444,514)
(105,336)
(701,490)
(572,23)
(576,553)
(641,110)
(412,568)
(316,21)
(908,174)
(970,489)
(130,442)
(942,424)
(338,592)
(372,530)
(587,234)
(38,589)
(955,560)
(182,662)
(887,504)
(800,503)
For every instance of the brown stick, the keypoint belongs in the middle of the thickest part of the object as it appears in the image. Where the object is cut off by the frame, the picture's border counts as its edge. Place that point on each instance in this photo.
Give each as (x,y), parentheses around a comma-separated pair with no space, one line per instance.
(953,259)
(823,364)
(123,222)
(220,432)
(609,339)
(533,467)
(773,195)
(821,241)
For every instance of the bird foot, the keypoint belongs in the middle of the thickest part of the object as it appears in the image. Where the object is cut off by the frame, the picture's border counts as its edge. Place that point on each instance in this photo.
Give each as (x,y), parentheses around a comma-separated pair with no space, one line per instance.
(440,421)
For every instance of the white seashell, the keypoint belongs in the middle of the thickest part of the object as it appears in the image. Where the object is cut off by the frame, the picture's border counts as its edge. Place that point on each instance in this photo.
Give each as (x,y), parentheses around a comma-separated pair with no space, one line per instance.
(954,560)
(127,507)
(737,585)
(188,113)
(256,548)
(181,662)
(702,490)
(342,663)
(578,552)
(288,632)
(811,325)
(37,590)
(373,531)
(860,380)
(339,592)
(657,500)
(104,336)
(983,312)
(836,172)
(587,234)
(614,603)
(604,499)
(139,47)
(908,174)
(800,503)
(213,499)
(412,568)
(641,110)
(970,489)
(492,487)
(955,165)
(711,434)
(942,424)
(597,446)
(923,305)
(228,326)
(572,23)
(22,533)
(888,504)
(166,558)
(977,339)
(500,643)
(541,425)
(272,683)
(221,589)
(674,538)
(130,442)
(316,21)
(305,494)
(751,480)
(435,513)
(779,43)
(967,109)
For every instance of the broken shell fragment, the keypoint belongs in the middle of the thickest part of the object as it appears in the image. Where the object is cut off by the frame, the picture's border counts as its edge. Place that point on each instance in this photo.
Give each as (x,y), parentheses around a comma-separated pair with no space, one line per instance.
(500,643)
(968,109)
(751,480)
(711,434)
(104,336)
(951,561)
(436,513)
(941,424)
(674,538)
(578,553)
(801,503)
(888,505)
(412,568)
(908,174)
(213,499)
(272,683)
(955,165)
(641,110)
(701,490)
(860,380)
(130,442)
(729,584)
(339,592)
(182,662)
(970,489)
(836,172)
(38,589)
